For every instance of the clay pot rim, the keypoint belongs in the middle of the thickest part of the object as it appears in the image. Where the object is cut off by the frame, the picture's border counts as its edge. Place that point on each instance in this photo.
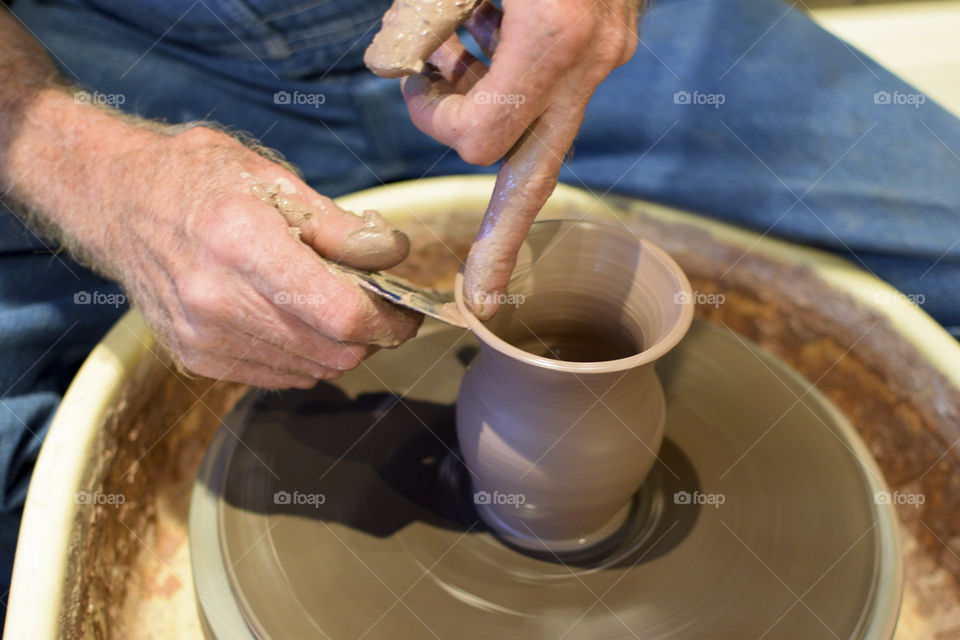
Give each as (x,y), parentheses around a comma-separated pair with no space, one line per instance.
(647,356)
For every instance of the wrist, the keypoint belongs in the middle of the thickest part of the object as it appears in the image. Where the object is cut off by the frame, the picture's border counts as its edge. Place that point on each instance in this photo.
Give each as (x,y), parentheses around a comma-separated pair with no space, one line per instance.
(65,163)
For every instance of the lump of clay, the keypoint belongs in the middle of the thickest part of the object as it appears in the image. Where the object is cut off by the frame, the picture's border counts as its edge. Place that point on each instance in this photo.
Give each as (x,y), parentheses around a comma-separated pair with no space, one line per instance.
(412,30)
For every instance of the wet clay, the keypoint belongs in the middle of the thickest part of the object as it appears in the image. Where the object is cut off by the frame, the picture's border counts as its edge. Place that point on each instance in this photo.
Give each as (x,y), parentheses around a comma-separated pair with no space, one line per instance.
(513,207)
(412,30)
(370,245)
(374,243)
(562,410)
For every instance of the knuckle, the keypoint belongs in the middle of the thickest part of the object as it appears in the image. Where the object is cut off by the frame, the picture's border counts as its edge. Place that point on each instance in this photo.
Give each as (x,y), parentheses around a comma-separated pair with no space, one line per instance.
(346,322)
(630,45)
(539,186)
(573,39)
(200,341)
(480,148)
(610,52)
(201,296)
(196,363)
(228,232)
(299,382)
(201,137)
(351,356)
(194,341)
(476,151)
(410,327)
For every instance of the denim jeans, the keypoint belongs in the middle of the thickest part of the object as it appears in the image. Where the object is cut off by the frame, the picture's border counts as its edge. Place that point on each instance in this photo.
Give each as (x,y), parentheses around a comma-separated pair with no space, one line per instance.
(743,110)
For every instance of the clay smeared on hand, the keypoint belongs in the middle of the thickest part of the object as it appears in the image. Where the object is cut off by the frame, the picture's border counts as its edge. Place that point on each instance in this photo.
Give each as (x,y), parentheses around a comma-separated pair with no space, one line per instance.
(412,30)
(373,243)
(361,241)
(525,181)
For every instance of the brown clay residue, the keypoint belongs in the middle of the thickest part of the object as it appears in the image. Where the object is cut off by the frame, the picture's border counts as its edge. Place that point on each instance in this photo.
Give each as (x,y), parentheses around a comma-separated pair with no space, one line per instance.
(412,30)
(374,243)
(154,438)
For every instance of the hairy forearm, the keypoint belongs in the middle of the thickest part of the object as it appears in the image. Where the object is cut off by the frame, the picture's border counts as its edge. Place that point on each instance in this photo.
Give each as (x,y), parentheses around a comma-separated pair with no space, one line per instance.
(61,160)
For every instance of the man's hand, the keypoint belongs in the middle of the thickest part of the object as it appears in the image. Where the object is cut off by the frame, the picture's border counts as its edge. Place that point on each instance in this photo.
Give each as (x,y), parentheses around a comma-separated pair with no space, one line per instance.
(548,58)
(217,245)
(219,248)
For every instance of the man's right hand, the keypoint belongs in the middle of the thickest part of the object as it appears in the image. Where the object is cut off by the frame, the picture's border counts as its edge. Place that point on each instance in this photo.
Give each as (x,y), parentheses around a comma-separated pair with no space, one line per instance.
(218,246)
(235,287)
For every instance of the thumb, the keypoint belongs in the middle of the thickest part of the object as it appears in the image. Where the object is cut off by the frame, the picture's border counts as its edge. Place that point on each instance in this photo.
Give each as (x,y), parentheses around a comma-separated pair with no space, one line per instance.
(363,241)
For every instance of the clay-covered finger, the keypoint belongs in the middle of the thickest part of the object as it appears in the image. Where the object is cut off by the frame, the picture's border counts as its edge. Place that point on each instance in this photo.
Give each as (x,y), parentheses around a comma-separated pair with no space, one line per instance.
(412,30)
(524,183)
(365,241)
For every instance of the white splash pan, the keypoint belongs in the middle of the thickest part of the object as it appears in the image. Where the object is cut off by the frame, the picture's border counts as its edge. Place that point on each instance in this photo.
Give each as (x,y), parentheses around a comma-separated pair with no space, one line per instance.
(37,594)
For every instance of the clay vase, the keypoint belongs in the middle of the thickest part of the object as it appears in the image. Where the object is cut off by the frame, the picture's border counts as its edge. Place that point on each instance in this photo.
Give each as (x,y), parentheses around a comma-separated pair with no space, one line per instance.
(560,415)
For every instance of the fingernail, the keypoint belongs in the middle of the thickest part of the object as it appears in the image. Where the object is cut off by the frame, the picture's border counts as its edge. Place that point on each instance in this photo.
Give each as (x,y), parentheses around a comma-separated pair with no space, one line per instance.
(485,305)
(374,244)
(416,83)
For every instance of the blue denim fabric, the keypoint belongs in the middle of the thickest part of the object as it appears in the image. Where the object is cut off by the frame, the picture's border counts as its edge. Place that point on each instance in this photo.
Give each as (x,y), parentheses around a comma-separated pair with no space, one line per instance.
(743,110)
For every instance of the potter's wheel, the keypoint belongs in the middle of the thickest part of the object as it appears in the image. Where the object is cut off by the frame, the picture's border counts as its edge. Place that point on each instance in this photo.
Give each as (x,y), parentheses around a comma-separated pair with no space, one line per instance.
(342,513)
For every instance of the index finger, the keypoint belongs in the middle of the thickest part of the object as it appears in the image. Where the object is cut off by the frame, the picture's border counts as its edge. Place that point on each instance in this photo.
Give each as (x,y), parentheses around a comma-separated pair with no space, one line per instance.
(524,183)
